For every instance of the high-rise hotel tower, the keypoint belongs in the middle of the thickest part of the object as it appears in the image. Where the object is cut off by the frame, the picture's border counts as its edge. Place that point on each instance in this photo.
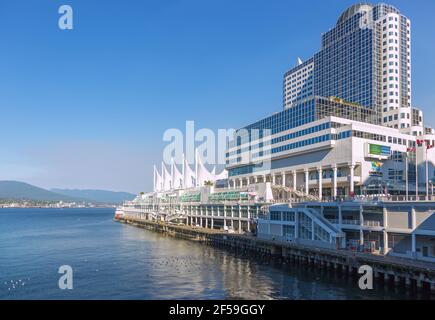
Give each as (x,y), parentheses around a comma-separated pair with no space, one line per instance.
(364,59)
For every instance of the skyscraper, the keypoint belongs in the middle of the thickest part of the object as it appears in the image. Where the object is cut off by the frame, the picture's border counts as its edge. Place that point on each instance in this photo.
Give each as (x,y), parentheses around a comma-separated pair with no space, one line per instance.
(364,59)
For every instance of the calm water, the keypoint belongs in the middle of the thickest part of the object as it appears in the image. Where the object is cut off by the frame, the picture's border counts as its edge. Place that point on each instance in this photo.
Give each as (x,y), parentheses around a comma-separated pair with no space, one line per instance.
(117,261)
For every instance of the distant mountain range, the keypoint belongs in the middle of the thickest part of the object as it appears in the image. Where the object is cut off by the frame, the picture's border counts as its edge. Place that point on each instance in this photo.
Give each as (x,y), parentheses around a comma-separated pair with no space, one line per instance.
(102,196)
(16,190)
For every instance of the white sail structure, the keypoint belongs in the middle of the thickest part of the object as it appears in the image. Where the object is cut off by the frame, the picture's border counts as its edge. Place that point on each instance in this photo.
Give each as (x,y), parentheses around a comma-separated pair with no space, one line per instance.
(157,180)
(202,174)
(221,176)
(176,177)
(188,174)
(187,178)
(167,179)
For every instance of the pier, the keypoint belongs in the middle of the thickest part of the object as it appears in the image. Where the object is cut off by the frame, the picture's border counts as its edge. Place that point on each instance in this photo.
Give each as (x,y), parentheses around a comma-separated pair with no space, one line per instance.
(387,270)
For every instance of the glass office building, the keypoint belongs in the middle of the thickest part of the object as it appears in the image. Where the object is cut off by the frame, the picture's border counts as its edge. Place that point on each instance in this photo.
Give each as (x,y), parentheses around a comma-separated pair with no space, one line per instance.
(253,139)
(366,60)
(347,65)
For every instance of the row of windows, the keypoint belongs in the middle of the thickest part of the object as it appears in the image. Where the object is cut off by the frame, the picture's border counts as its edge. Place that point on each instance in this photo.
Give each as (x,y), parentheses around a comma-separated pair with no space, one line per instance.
(326,174)
(285,120)
(299,97)
(395,175)
(395,117)
(342,135)
(294,135)
(301,144)
(390,19)
(373,136)
(297,134)
(324,126)
(289,231)
(320,127)
(298,80)
(282,216)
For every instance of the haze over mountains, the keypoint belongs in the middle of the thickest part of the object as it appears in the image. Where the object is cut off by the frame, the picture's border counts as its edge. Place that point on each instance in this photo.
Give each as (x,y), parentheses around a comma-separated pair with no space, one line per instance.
(16,190)
(102,196)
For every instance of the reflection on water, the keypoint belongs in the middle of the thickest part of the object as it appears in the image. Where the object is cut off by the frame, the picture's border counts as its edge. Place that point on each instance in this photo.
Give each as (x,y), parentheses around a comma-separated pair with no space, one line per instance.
(117,261)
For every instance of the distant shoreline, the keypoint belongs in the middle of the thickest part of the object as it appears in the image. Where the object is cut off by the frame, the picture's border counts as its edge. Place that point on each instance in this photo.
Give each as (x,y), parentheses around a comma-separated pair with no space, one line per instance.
(50,207)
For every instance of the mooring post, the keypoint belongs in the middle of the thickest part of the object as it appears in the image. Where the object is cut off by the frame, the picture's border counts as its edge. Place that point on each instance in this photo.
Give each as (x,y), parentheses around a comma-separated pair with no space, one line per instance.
(396,280)
(386,277)
(343,267)
(419,284)
(408,282)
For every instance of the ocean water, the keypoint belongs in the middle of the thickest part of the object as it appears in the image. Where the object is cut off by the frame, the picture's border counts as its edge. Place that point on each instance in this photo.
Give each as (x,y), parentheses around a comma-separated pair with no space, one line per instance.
(116,261)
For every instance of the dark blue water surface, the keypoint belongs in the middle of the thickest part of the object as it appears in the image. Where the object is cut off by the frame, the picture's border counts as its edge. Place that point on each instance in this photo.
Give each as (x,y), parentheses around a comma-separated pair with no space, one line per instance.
(116,261)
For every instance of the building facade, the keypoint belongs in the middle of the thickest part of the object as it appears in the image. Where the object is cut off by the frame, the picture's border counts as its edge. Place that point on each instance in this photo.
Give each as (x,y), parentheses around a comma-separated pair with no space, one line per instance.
(364,59)
(402,230)
(325,169)
(348,125)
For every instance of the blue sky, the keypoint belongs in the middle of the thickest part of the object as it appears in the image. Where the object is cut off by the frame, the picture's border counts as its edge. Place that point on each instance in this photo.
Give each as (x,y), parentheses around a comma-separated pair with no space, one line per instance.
(87,108)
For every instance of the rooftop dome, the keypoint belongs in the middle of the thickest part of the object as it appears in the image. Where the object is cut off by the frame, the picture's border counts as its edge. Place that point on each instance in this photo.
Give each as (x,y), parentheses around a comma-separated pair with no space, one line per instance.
(351,11)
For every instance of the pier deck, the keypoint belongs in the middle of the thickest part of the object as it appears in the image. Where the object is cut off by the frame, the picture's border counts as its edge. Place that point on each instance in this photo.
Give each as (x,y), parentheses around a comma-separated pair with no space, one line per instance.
(400,271)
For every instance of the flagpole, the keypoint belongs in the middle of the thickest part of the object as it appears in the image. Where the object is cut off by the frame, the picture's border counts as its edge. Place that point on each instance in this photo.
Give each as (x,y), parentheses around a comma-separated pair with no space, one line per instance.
(416,173)
(183,169)
(427,176)
(406,176)
(196,167)
(172,173)
(163,177)
(154,175)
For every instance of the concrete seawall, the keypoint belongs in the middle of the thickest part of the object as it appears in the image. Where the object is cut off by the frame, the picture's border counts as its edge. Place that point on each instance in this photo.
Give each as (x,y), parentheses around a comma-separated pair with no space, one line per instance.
(414,275)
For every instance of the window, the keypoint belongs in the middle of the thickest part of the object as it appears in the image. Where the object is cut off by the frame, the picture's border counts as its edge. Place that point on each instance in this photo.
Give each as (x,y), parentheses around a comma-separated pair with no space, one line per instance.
(288,231)
(305,226)
(275,215)
(288,216)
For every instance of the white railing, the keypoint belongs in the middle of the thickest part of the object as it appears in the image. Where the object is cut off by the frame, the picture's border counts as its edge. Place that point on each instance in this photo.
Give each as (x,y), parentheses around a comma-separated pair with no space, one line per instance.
(406,199)
(367,223)
(351,222)
(372,223)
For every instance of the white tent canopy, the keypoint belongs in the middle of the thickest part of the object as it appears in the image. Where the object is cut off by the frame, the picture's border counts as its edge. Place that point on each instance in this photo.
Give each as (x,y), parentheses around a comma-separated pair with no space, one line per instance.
(189,175)
(202,174)
(176,177)
(167,178)
(186,179)
(158,183)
